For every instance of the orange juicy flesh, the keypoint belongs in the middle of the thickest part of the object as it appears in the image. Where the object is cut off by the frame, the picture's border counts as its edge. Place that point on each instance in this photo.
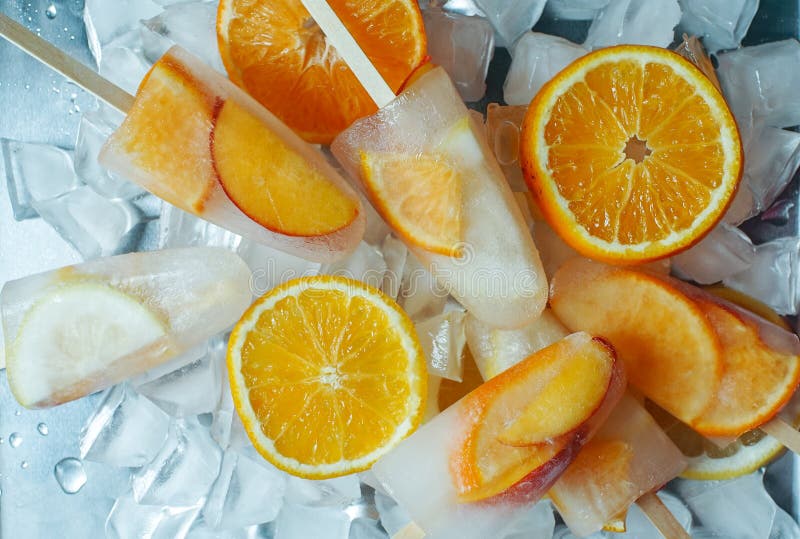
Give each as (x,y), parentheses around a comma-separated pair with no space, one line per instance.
(275,51)
(550,414)
(648,201)
(326,376)
(177,157)
(670,350)
(420,196)
(756,382)
(271,182)
(481,465)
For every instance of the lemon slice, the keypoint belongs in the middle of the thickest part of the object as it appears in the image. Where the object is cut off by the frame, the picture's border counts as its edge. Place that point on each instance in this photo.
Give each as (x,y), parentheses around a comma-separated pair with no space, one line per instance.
(70,337)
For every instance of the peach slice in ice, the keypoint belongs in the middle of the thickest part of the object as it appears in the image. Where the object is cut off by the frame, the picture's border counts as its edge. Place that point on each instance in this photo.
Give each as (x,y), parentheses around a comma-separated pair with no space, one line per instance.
(758,378)
(671,351)
(270,181)
(482,466)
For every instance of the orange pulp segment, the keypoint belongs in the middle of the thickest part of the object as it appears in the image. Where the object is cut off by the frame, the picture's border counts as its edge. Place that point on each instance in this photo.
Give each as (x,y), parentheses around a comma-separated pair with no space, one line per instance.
(632,153)
(327,375)
(277,53)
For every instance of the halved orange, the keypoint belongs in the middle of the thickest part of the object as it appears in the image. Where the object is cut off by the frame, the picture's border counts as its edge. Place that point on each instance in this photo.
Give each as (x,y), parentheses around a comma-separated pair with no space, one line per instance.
(420,196)
(327,375)
(276,52)
(632,153)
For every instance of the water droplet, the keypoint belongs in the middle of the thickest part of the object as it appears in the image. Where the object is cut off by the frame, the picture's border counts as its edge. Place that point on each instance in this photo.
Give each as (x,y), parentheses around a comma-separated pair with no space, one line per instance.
(2,440)
(15,439)
(70,475)
(17,413)
(51,11)
(42,428)
(24,464)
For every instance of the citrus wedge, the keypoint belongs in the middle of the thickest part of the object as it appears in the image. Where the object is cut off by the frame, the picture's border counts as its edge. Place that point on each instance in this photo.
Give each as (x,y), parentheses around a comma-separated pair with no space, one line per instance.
(277,53)
(419,196)
(632,153)
(327,375)
(67,342)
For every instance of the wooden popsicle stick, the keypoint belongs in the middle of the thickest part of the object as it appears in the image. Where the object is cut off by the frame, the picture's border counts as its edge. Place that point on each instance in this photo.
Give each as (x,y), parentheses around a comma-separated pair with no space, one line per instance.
(783,432)
(409,531)
(661,517)
(350,51)
(63,63)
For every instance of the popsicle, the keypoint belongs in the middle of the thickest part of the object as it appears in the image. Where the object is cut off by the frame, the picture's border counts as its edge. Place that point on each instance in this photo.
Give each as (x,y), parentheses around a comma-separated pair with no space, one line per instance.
(199,142)
(482,462)
(79,329)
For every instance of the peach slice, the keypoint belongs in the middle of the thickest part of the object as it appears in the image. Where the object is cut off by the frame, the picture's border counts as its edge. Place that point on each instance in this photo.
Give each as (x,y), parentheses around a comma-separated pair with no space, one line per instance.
(670,349)
(270,181)
(757,381)
(483,467)
(550,414)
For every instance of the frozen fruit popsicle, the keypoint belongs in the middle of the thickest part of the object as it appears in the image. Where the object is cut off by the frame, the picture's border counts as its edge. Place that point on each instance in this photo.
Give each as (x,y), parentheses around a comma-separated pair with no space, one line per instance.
(197,141)
(628,457)
(82,328)
(473,468)
(429,171)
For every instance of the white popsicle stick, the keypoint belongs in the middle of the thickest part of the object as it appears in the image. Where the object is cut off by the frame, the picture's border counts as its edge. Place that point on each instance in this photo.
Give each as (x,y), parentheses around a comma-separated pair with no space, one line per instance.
(350,51)
(63,63)
(661,517)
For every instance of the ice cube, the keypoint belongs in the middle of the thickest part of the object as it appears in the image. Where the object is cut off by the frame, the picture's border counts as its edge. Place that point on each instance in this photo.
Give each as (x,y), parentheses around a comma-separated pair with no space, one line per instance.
(721,23)
(574,10)
(35,172)
(296,521)
(393,518)
(742,207)
(246,492)
(772,157)
(539,521)
(511,18)
(181,229)
(192,389)
(463,46)
(93,131)
(635,22)
(272,267)
(395,254)
(92,224)
(366,528)
(124,62)
(365,264)
(192,25)
(784,526)
(420,294)
(503,131)
(463,7)
(130,520)
(443,338)
(724,252)
(183,471)
(773,276)
(537,58)
(126,429)
(338,491)
(760,83)
(735,508)
(104,25)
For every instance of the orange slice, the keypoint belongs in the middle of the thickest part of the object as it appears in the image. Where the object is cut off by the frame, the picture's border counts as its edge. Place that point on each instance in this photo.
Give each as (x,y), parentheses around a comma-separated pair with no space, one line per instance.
(272,183)
(419,196)
(176,158)
(482,465)
(632,153)
(757,380)
(327,375)
(276,52)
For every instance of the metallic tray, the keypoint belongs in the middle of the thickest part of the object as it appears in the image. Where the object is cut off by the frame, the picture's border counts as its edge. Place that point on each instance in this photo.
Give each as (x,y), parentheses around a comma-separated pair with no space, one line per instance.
(37,105)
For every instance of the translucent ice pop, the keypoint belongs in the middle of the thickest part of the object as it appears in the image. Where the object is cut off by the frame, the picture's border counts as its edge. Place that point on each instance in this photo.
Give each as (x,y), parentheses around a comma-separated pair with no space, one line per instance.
(427,168)
(199,142)
(475,467)
(628,457)
(79,329)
